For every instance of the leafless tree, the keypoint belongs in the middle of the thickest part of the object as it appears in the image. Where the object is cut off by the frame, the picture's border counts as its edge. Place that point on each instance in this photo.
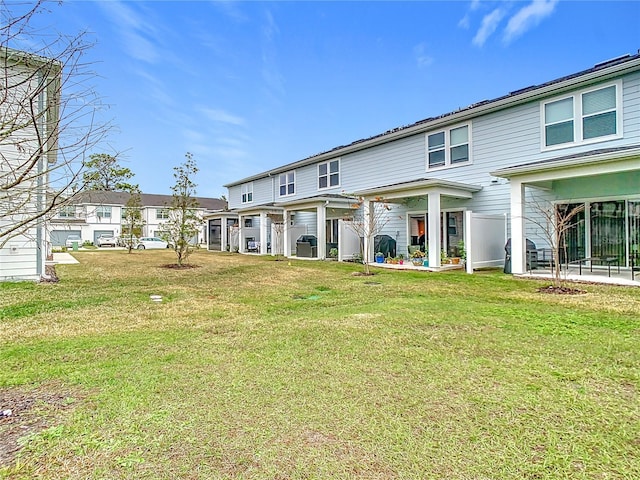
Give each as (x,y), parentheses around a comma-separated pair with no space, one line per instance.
(367,226)
(48,118)
(553,223)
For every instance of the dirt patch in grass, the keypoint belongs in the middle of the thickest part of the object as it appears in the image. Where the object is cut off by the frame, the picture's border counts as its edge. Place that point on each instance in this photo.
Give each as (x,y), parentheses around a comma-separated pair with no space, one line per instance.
(24,413)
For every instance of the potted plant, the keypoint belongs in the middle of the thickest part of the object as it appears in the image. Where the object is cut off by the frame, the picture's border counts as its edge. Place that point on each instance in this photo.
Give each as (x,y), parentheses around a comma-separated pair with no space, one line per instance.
(417,258)
(400,259)
(379,257)
(444,258)
(462,251)
(333,253)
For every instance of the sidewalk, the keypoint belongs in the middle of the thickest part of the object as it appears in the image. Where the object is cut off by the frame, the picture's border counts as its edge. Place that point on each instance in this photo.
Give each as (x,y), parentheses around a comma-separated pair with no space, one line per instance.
(63,257)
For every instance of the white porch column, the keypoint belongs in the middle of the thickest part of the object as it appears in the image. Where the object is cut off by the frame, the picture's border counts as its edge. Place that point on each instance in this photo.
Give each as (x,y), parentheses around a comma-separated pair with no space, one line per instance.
(321,217)
(287,233)
(264,234)
(224,234)
(518,260)
(368,238)
(434,229)
(240,233)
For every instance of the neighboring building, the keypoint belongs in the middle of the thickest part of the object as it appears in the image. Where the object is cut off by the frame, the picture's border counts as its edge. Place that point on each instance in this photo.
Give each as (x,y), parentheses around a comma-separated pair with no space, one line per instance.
(29,115)
(473,175)
(95,213)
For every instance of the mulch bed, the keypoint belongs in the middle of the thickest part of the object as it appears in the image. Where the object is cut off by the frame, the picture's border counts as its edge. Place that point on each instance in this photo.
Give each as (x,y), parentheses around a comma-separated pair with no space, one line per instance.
(184,266)
(561,290)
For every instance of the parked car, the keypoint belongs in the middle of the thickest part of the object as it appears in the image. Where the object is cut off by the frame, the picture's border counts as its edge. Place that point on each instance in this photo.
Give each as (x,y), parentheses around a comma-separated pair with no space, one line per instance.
(124,241)
(106,240)
(71,239)
(151,242)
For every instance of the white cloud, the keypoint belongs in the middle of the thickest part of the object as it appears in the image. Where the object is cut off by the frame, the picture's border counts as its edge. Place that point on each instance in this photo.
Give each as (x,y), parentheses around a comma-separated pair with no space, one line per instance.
(528,17)
(423,59)
(220,116)
(489,25)
(465,21)
(274,80)
(139,34)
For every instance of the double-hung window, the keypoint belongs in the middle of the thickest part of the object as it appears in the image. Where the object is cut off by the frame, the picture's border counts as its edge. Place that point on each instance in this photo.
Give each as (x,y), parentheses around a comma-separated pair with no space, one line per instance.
(584,117)
(103,211)
(287,184)
(448,147)
(162,213)
(247,192)
(68,211)
(329,174)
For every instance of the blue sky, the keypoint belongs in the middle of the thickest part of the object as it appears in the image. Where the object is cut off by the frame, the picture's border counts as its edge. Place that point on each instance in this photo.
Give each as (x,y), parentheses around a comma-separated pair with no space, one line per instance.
(248,86)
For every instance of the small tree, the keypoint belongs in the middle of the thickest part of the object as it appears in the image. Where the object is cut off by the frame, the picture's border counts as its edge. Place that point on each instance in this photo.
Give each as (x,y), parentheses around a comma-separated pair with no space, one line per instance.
(132,221)
(184,222)
(104,173)
(368,226)
(553,224)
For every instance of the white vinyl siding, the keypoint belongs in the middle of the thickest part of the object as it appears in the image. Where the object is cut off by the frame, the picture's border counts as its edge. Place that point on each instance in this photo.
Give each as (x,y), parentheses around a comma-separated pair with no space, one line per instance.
(329,174)
(287,184)
(448,147)
(247,193)
(583,117)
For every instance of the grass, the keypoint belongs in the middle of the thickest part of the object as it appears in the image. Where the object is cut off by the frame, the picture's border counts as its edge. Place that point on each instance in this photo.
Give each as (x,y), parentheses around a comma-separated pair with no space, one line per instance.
(255,369)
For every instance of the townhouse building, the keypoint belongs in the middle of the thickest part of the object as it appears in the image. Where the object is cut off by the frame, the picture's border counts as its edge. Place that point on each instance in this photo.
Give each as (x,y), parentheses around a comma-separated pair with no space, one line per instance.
(479,174)
(96,213)
(29,117)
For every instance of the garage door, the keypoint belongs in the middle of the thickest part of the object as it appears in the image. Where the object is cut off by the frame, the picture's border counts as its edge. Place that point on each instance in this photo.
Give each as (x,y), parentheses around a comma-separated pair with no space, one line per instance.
(59,237)
(97,233)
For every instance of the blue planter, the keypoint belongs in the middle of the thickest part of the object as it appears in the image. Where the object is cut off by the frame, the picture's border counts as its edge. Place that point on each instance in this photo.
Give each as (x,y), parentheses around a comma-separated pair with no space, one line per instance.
(425,263)
(379,259)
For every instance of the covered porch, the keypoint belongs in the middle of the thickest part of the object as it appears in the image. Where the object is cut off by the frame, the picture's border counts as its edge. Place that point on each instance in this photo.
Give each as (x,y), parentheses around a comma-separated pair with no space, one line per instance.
(425,196)
(601,188)
(222,230)
(320,218)
(254,223)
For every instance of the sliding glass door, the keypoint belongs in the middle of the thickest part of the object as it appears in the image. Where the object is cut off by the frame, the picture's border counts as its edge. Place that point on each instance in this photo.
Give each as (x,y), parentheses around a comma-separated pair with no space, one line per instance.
(608,230)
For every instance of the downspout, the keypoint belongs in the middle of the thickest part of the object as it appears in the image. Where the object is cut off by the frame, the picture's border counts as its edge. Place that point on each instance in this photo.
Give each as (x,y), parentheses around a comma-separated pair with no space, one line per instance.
(40,185)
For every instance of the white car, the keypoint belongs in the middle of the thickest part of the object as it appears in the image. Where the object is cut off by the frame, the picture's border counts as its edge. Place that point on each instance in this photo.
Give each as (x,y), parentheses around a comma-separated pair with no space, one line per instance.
(104,240)
(71,239)
(151,242)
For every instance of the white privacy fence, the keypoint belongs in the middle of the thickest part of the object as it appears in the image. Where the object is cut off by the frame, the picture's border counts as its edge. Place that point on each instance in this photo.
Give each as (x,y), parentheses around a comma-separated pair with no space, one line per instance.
(485,238)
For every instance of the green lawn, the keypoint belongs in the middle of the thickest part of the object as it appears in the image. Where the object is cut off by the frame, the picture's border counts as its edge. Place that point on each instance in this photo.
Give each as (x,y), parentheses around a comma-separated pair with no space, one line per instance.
(252,368)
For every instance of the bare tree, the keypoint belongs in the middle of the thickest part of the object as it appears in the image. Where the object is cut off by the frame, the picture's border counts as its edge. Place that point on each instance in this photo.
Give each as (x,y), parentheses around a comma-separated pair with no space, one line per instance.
(132,221)
(554,222)
(369,224)
(184,222)
(47,119)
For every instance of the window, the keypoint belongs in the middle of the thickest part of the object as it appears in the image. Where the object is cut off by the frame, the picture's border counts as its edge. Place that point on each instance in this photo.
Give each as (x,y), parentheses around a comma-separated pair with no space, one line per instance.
(247,193)
(68,211)
(103,211)
(449,147)
(329,174)
(584,117)
(162,213)
(287,184)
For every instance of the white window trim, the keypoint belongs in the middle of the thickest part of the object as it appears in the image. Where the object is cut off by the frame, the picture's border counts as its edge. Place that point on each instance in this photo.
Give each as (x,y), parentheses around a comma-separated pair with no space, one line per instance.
(578,118)
(164,211)
(447,147)
(286,184)
(246,189)
(328,164)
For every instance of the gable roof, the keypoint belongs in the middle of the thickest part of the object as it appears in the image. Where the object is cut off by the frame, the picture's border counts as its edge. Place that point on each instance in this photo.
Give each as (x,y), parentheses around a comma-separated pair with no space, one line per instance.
(147,199)
(599,72)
